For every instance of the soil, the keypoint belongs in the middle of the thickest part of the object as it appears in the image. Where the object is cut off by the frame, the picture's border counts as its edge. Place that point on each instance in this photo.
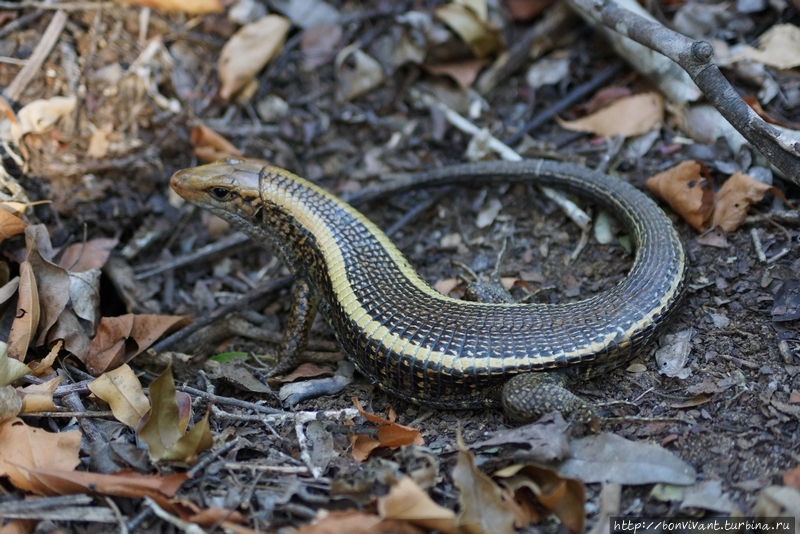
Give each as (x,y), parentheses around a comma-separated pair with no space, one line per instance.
(735,417)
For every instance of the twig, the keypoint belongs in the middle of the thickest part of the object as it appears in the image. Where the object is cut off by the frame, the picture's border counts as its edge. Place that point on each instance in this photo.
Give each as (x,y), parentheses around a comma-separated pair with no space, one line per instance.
(695,57)
(206,460)
(74,6)
(757,244)
(577,94)
(230,401)
(570,208)
(249,466)
(19,23)
(185,526)
(76,415)
(263,290)
(37,58)
(224,244)
(415,212)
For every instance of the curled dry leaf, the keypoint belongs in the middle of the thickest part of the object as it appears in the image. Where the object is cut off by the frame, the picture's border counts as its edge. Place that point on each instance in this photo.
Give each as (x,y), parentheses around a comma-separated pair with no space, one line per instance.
(390,434)
(163,432)
(211,146)
(463,73)
(778,47)
(366,75)
(122,391)
(51,280)
(23,448)
(687,189)
(192,7)
(735,197)
(246,53)
(11,369)
(24,326)
(479,36)
(121,338)
(10,225)
(627,117)
(408,502)
(483,508)
(39,397)
(44,367)
(10,403)
(355,522)
(537,486)
(40,115)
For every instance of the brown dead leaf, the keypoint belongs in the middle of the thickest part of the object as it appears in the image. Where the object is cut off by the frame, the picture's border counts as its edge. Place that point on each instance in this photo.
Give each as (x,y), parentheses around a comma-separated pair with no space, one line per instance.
(163,431)
(24,326)
(11,369)
(463,73)
(626,117)
(408,502)
(687,189)
(39,397)
(10,225)
(191,7)
(82,257)
(23,448)
(122,391)
(603,97)
(40,115)
(209,517)
(10,403)
(45,365)
(778,47)
(69,330)
(365,74)
(792,478)
(735,197)
(483,509)
(537,486)
(306,370)
(246,53)
(355,522)
(390,434)
(319,43)
(525,10)
(54,481)
(52,281)
(482,38)
(119,339)
(210,146)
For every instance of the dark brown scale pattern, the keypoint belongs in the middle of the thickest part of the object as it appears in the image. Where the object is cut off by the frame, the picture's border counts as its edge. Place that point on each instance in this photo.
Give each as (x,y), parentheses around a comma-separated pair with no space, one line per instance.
(545,336)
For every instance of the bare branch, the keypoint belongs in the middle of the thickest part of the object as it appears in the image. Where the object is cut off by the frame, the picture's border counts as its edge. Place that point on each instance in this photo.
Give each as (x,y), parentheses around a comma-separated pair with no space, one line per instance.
(695,57)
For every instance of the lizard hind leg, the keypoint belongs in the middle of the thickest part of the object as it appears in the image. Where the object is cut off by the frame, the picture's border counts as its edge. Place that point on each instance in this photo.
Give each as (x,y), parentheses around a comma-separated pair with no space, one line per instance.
(305,303)
(529,396)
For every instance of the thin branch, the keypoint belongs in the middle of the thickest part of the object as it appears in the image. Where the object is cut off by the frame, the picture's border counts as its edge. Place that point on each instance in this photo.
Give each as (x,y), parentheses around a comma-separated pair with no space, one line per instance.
(695,57)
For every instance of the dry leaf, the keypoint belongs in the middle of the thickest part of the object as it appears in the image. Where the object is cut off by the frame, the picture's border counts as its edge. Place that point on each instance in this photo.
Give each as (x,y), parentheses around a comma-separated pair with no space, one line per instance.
(306,370)
(121,338)
(39,397)
(192,7)
(319,43)
(480,37)
(92,254)
(355,522)
(246,53)
(98,142)
(603,97)
(734,198)
(211,146)
(23,447)
(84,295)
(483,509)
(58,481)
(687,189)
(10,225)
(626,117)
(463,73)
(525,10)
(564,497)
(10,403)
(792,478)
(390,434)
(40,115)
(11,369)
(122,391)
(356,81)
(778,47)
(409,502)
(163,431)
(24,326)
(52,281)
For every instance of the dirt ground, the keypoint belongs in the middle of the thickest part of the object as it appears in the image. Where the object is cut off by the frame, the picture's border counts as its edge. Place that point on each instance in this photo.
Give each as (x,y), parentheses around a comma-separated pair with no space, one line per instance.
(734,416)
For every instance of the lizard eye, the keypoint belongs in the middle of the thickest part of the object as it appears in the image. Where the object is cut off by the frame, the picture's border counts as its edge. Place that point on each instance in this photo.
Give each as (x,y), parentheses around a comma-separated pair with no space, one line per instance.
(220,193)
